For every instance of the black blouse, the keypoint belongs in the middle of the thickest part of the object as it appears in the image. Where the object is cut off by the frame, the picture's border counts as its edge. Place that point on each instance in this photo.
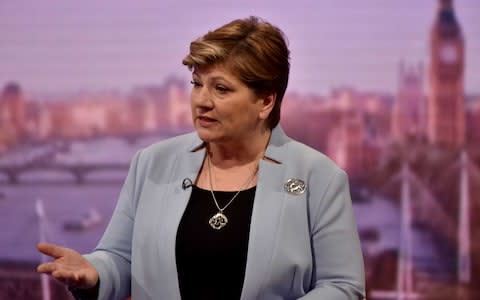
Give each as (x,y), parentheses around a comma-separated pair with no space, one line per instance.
(211,263)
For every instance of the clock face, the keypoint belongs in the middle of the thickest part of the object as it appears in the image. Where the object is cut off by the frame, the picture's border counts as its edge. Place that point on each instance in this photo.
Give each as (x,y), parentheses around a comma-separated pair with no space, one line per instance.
(448,53)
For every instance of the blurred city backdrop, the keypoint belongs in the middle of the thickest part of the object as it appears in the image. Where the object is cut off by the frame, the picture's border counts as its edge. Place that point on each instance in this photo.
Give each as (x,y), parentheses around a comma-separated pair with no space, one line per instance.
(390,90)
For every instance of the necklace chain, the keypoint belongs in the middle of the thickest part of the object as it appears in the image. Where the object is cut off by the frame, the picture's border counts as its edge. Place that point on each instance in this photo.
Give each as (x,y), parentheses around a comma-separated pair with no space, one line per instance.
(219,220)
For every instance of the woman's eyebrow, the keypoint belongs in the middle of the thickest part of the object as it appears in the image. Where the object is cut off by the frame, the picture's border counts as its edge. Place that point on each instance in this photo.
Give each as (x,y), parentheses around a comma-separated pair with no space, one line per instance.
(219,77)
(213,78)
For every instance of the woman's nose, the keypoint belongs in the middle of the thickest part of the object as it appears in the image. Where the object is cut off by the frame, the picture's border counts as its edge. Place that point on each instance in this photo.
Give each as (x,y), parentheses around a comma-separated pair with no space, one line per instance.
(202,97)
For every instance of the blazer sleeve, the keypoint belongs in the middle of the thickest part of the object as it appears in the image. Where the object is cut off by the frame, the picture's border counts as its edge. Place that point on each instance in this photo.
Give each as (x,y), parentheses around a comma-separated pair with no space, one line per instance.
(338,269)
(112,256)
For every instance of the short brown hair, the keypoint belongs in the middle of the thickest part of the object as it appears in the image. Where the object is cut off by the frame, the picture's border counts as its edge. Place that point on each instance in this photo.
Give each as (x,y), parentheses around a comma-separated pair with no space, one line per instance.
(254,50)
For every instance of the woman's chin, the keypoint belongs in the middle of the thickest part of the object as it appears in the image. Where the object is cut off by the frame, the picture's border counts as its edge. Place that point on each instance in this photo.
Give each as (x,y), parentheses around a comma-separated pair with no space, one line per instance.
(206,135)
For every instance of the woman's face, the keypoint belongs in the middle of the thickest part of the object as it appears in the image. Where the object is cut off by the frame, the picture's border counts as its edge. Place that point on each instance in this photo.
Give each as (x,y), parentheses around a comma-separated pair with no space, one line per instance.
(224,108)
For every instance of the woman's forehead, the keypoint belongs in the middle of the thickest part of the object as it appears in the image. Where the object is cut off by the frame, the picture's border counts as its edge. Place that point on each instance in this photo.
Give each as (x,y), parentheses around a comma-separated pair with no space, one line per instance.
(215,71)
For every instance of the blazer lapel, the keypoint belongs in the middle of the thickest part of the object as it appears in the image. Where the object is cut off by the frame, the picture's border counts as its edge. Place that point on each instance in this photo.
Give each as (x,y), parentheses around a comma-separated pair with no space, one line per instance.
(267,211)
(187,166)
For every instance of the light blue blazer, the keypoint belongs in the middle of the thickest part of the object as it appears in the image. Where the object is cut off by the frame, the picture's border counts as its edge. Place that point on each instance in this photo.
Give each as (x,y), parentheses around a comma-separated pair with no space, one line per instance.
(302,246)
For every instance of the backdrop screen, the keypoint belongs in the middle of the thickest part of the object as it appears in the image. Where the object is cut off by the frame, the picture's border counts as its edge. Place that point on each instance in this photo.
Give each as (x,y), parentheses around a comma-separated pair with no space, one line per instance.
(390,90)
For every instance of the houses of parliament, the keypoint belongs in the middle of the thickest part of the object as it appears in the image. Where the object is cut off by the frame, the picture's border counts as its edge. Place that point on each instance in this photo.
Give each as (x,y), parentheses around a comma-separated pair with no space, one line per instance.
(440,116)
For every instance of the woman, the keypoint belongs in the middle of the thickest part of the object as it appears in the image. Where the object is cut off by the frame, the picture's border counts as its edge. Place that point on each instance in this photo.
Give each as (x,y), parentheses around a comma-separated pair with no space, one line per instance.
(236,210)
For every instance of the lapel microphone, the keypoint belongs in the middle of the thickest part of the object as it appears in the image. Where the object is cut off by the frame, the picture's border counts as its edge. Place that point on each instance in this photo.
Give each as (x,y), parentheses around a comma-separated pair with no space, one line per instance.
(186,183)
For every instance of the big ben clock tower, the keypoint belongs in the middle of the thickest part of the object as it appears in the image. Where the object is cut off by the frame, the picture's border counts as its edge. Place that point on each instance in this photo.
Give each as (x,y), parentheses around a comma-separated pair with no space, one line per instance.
(446,112)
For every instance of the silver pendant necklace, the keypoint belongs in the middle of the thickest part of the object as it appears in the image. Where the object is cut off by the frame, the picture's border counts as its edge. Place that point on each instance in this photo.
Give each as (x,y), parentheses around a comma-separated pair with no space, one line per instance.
(220,220)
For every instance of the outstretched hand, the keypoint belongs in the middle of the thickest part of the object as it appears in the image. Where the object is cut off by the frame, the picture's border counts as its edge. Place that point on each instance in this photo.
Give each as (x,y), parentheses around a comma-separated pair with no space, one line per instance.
(68,266)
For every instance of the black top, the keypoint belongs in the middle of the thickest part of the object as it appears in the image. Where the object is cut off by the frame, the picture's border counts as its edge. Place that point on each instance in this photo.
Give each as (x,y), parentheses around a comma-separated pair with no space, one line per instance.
(211,263)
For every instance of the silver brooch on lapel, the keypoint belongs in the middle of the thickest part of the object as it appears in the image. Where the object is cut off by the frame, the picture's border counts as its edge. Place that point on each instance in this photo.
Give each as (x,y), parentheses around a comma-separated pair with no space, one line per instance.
(295,186)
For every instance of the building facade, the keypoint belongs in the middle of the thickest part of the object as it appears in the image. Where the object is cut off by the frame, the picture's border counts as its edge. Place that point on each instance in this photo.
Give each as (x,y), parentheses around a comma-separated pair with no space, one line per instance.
(409,112)
(446,112)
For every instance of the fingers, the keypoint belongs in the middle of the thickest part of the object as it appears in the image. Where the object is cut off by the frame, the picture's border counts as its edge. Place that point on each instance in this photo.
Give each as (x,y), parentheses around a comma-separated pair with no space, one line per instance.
(73,279)
(68,266)
(51,250)
(47,267)
(67,277)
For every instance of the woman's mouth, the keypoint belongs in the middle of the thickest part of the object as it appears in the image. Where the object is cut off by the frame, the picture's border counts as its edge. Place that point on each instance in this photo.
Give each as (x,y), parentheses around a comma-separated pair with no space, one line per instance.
(205,121)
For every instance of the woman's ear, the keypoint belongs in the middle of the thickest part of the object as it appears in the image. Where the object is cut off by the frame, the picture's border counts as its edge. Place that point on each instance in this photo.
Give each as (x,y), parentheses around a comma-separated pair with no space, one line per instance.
(267,103)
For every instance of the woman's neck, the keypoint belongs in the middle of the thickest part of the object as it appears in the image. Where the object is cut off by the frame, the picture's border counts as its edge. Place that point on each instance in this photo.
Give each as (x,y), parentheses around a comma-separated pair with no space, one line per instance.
(239,152)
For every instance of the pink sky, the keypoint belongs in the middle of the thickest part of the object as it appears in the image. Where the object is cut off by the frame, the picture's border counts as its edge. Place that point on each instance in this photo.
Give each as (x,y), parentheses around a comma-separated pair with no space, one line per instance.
(55,45)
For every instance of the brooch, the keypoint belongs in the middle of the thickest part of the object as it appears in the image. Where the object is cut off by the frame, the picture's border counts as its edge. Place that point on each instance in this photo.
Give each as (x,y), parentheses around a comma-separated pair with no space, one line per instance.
(295,186)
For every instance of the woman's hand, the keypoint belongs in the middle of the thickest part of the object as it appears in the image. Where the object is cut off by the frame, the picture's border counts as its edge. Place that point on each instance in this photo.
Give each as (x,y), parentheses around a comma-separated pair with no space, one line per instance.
(68,266)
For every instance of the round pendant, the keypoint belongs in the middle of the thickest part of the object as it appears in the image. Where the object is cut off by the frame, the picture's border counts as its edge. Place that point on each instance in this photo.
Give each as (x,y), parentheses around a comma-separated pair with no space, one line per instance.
(218,221)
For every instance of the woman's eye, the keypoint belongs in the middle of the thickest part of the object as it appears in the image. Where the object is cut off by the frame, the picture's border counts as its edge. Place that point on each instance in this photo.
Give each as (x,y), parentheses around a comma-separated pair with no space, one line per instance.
(195,83)
(221,89)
